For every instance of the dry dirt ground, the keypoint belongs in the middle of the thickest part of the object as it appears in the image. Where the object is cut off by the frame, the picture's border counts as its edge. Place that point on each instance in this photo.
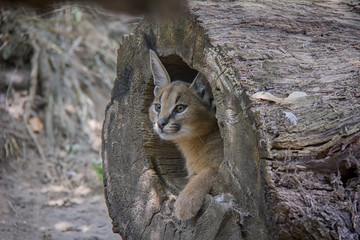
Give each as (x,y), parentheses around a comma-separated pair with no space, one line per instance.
(59,198)
(34,206)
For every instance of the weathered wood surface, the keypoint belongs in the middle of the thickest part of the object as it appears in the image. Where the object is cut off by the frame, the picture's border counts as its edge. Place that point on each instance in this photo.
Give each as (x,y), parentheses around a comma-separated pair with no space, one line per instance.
(291,165)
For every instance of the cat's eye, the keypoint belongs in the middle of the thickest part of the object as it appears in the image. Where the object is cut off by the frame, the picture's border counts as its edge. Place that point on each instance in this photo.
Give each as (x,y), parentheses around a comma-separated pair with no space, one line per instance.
(157,107)
(180,108)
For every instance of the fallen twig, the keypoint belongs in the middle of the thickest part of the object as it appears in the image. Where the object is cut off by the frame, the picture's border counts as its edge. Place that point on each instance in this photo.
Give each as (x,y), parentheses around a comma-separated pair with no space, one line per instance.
(32,93)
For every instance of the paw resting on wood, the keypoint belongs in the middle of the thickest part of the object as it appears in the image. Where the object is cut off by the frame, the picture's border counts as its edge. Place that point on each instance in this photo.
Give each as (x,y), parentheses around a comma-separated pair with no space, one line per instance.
(188,204)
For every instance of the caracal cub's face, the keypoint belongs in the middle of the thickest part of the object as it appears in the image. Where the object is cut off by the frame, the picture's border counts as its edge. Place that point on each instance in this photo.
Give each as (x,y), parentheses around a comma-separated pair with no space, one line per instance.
(180,110)
(178,113)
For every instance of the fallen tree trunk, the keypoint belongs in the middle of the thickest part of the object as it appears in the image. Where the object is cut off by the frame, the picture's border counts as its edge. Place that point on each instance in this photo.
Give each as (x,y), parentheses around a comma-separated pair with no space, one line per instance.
(285,77)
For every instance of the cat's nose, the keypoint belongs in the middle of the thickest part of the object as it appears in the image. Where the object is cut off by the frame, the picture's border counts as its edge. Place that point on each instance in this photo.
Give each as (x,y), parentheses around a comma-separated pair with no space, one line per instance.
(162,122)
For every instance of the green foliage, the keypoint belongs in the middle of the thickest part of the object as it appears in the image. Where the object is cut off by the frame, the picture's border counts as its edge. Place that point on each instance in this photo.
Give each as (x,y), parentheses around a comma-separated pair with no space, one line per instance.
(98,167)
(77,14)
(73,148)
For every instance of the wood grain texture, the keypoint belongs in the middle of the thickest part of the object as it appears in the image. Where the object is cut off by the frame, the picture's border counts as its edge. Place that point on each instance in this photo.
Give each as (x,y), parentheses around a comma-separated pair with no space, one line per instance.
(291,169)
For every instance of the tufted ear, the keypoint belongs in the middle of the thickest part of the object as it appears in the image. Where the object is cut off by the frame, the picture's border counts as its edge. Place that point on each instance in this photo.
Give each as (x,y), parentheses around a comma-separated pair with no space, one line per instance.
(160,75)
(202,89)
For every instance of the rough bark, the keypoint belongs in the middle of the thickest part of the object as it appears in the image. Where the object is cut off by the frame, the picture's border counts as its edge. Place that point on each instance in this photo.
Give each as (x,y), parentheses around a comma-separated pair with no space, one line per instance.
(291,164)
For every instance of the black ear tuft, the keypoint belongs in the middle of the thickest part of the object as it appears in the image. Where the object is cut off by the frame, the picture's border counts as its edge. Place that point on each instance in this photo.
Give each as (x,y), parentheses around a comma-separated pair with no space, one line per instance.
(202,89)
(150,40)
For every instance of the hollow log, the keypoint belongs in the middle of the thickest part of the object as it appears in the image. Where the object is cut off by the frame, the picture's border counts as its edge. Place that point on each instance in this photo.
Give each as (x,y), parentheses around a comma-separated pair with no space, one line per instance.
(286,81)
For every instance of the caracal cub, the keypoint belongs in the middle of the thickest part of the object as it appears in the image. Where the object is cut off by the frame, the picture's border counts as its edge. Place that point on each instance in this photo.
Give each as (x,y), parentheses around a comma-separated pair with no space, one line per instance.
(185,114)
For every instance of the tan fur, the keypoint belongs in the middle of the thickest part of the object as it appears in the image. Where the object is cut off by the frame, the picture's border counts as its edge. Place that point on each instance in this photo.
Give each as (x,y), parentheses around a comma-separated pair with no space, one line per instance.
(195,132)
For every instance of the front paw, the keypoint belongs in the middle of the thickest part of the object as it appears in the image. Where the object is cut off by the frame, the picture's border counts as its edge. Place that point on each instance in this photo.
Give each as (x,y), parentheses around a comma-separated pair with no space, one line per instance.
(188,204)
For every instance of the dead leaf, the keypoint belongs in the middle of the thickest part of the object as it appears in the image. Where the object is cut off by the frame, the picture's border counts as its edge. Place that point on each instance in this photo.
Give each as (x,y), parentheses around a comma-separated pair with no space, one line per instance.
(266,96)
(296,94)
(35,124)
(292,98)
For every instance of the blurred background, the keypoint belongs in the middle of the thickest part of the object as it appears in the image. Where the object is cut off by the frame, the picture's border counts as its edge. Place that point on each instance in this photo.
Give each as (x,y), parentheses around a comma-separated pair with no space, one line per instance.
(57,67)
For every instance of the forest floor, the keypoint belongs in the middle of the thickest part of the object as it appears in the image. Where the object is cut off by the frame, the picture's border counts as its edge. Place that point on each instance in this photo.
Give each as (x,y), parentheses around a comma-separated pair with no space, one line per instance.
(57,67)
(36,205)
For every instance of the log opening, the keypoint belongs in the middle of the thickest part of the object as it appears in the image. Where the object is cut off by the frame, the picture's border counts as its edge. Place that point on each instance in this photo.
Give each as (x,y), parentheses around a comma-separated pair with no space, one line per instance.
(143,173)
(178,69)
